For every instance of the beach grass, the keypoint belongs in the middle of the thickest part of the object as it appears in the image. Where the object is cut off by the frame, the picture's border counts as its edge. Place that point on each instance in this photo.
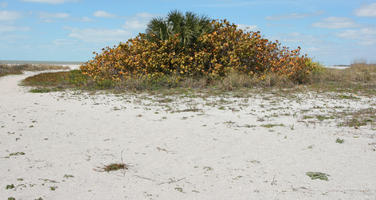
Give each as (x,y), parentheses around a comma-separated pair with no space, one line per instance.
(359,76)
(356,78)
(19,69)
(115,167)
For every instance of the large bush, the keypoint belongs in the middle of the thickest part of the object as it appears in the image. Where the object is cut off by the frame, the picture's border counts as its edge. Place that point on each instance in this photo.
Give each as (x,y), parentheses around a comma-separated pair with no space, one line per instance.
(213,53)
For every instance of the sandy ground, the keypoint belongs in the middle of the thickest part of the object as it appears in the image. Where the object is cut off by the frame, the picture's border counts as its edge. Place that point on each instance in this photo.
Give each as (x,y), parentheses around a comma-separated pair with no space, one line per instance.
(73,66)
(181,147)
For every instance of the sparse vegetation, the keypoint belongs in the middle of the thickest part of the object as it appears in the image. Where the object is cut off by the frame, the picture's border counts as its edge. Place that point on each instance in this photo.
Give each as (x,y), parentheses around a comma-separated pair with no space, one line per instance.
(359,118)
(179,189)
(9,187)
(323,117)
(318,175)
(16,154)
(359,76)
(18,69)
(75,80)
(115,167)
(232,82)
(271,125)
(72,78)
(340,141)
(41,90)
(68,176)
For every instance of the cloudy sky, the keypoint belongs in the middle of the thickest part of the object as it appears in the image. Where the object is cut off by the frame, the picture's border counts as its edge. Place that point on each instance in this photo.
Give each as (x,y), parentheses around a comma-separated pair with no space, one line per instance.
(330,31)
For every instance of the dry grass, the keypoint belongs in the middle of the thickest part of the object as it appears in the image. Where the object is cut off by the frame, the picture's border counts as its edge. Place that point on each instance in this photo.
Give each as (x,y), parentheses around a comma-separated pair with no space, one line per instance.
(66,79)
(359,118)
(74,79)
(357,78)
(47,79)
(6,70)
(115,167)
(18,69)
(235,81)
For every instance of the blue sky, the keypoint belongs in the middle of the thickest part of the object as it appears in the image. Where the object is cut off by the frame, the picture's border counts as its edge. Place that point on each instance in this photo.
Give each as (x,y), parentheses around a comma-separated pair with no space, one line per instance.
(330,31)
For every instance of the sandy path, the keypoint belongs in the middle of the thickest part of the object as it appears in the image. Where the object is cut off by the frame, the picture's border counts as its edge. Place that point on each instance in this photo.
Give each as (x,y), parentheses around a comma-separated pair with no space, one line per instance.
(219,152)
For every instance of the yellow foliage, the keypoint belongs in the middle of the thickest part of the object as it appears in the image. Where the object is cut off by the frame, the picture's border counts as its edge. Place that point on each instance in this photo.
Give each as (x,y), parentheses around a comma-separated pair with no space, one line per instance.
(215,54)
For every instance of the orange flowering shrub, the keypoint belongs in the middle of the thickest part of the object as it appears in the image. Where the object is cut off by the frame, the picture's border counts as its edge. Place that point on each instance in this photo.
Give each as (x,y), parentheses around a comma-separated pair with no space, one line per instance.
(215,54)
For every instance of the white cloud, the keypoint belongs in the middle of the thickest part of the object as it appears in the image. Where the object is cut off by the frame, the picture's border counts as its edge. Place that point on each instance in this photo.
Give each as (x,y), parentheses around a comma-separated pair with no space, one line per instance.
(138,22)
(103,14)
(3,4)
(293,16)
(228,4)
(246,27)
(10,28)
(64,42)
(50,17)
(86,19)
(100,35)
(335,23)
(366,10)
(132,25)
(364,36)
(145,15)
(49,1)
(297,38)
(9,15)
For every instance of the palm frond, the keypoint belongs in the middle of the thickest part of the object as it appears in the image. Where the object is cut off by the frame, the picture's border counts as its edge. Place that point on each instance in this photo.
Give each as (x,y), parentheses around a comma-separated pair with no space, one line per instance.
(188,26)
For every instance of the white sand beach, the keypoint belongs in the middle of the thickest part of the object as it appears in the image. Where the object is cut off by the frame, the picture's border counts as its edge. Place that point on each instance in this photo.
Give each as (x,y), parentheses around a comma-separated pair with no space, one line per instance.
(53,145)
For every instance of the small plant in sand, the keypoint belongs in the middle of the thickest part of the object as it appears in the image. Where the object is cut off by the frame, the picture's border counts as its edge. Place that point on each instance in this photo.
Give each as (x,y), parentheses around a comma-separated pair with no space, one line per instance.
(53,188)
(68,176)
(114,167)
(340,141)
(9,187)
(271,125)
(318,175)
(179,189)
(17,154)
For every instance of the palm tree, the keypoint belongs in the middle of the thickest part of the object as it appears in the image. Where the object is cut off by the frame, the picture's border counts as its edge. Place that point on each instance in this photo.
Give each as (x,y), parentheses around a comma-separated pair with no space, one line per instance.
(188,26)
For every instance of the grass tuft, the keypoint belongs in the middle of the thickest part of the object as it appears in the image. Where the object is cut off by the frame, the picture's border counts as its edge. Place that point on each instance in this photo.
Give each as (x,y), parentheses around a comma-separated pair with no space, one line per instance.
(340,141)
(17,154)
(9,187)
(271,125)
(114,167)
(318,175)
